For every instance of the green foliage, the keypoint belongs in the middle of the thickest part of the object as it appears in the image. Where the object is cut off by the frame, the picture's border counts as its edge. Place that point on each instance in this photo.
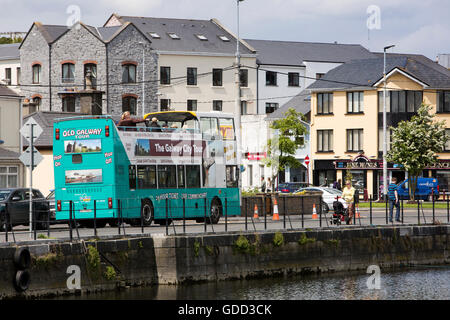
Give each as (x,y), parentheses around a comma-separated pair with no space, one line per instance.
(7,40)
(209,250)
(242,244)
(278,239)
(415,144)
(93,259)
(288,137)
(110,273)
(196,248)
(304,240)
(250,192)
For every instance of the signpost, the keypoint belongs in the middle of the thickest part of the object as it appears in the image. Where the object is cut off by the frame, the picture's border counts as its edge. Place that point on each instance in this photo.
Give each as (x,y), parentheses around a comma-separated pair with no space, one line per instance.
(31,130)
(307,168)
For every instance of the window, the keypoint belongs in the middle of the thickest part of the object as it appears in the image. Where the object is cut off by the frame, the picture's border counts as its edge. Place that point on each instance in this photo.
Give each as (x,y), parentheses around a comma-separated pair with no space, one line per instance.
(388,139)
(209,126)
(90,69)
(154,35)
(191,76)
(324,103)
(293,79)
(443,101)
(324,140)
(180,175)
(271,78)
(401,101)
(224,38)
(167,177)
(232,176)
(217,77)
(68,72)
(192,105)
(129,103)
(319,75)
(354,140)
(173,35)
(129,73)
(165,75)
(68,104)
(271,107)
(447,144)
(193,176)
(9,176)
(37,101)
(243,77)
(18,75)
(164,104)
(36,73)
(8,76)
(132,177)
(226,126)
(146,177)
(244,107)
(202,37)
(217,105)
(355,102)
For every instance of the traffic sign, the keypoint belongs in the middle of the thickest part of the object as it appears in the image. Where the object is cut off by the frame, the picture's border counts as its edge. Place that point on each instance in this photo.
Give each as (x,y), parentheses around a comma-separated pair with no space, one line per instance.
(307,160)
(25,157)
(26,129)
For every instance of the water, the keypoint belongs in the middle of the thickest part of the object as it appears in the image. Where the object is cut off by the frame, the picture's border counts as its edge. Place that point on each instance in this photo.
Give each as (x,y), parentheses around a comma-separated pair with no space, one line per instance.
(432,283)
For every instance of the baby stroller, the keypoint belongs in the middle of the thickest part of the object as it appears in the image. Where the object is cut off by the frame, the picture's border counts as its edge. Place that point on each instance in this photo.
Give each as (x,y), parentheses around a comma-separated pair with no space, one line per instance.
(340,213)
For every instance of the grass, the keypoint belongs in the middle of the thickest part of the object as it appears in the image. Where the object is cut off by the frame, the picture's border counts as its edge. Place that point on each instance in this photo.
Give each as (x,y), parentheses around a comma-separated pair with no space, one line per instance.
(425,205)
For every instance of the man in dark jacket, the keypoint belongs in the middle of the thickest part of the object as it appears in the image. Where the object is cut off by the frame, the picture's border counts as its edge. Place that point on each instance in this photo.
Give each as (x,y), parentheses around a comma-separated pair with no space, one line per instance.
(127,121)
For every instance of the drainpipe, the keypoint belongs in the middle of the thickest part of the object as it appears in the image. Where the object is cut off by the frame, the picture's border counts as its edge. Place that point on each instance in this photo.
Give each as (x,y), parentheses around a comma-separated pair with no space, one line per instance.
(107,79)
(50,75)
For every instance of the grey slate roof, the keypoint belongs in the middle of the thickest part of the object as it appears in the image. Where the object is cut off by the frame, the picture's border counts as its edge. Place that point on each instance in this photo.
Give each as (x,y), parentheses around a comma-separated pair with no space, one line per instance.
(301,103)
(9,51)
(186,29)
(291,53)
(6,92)
(6,154)
(366,72)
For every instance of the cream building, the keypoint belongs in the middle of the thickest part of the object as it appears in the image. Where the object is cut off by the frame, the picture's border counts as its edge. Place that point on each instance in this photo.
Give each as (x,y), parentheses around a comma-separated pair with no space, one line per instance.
(346,117)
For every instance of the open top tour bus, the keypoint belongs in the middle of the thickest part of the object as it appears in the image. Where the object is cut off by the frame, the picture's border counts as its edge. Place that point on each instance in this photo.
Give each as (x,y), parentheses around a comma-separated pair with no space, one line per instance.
(153,173)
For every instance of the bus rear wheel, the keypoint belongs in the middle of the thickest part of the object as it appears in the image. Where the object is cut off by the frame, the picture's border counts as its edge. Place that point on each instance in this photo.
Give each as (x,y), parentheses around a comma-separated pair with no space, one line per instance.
(216,212)
(146,214)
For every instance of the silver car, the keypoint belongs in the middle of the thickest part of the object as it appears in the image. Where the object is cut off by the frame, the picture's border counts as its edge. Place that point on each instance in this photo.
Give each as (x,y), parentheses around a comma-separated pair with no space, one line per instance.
(328,196)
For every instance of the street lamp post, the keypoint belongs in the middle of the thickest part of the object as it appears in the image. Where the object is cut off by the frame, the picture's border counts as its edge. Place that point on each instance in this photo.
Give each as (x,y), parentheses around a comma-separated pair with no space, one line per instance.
(237,108)
(384,124)
(143,78)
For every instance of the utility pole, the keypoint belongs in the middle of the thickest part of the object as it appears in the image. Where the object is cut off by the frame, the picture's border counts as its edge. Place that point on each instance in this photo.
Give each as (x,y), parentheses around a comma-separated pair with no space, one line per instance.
(237,109)
(385,183)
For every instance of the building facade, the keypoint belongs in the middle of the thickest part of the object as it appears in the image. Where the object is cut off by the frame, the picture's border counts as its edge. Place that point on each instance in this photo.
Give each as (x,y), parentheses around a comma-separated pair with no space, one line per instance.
(10,65)
(347,118)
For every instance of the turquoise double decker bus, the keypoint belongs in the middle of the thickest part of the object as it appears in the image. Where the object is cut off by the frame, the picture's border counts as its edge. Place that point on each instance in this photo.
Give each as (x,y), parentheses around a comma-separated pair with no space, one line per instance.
(185,168)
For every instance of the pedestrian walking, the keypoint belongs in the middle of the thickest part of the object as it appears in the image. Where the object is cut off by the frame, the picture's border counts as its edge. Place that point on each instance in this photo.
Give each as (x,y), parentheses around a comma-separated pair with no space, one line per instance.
(348,194)
(393,200)
(263,185)
(269,184)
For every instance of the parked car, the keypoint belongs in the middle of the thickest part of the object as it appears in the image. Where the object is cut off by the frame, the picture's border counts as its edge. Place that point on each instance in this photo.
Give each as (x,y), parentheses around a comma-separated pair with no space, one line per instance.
(15,208)
(329,195)
(425,187)
(290,187)
(51,201)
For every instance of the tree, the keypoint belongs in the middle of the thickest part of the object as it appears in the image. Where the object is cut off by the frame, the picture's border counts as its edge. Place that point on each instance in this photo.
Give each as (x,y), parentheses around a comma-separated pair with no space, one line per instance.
(415,144)
(288,138)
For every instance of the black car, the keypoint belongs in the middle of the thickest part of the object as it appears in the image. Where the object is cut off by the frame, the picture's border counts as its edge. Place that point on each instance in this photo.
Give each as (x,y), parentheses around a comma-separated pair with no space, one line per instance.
(15,208)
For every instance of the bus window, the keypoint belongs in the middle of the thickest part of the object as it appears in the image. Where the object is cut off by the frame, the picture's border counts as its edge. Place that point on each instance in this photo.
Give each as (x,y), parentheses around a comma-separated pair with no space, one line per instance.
(167,177)
(132,176)
(180,172)
(209,127)
(232,176)
(146,177)
(226,128)
(193,176)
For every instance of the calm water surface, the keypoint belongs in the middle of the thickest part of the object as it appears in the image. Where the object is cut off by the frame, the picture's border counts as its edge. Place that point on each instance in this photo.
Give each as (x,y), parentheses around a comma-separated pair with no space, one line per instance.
(432,283)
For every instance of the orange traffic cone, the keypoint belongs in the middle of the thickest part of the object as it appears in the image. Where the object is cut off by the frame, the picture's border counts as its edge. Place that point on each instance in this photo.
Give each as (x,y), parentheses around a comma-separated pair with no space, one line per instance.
(314,214)
(357,211)
(255,214)
(275,210)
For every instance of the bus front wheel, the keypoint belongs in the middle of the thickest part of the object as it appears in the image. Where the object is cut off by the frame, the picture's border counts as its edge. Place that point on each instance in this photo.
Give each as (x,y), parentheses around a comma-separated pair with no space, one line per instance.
(147,212)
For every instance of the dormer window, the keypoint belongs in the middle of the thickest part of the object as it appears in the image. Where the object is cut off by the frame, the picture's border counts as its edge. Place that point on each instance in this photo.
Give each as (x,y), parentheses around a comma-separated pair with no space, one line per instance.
(224,38)
(154,35)
(202,37)
(173,35)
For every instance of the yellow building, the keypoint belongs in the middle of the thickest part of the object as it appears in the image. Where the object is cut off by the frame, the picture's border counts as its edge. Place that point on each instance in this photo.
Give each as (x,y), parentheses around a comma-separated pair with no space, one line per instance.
(347,118)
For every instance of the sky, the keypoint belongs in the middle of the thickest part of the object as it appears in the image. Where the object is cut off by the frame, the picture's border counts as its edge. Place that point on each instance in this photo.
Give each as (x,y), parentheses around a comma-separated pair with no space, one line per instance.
(413,26)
